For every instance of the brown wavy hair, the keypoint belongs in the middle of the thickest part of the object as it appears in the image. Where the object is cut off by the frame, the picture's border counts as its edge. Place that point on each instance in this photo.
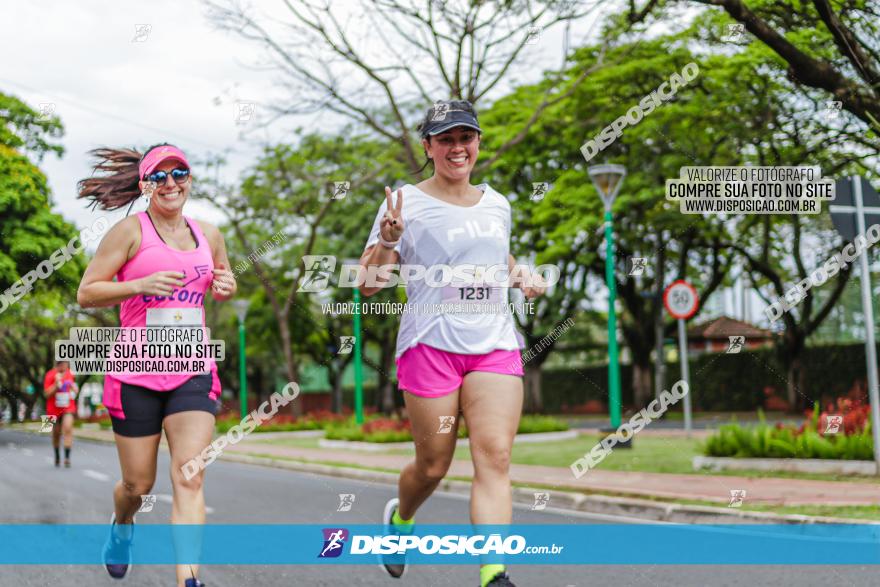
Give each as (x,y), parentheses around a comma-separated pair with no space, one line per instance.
(117,184)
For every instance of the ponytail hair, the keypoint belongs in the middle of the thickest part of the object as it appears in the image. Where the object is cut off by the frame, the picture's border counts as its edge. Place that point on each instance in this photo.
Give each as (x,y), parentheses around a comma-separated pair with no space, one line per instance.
(117,185)
(428,161)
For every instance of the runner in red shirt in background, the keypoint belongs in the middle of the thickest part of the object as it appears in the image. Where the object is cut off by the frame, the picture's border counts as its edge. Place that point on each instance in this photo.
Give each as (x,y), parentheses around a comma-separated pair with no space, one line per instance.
(61,391)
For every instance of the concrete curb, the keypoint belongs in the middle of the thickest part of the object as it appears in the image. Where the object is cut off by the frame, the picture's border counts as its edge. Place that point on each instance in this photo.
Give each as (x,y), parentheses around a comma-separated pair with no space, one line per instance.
(382,446)
(841,467)
(595,504)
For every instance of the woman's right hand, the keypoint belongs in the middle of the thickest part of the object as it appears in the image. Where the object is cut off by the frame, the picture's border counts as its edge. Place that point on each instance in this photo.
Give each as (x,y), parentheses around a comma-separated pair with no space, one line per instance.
(391,225)
(160,283)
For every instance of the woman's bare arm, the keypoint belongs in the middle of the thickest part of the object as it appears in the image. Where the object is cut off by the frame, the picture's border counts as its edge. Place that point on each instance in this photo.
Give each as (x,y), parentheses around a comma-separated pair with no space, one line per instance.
(97,288)
(377,255)
(224,286)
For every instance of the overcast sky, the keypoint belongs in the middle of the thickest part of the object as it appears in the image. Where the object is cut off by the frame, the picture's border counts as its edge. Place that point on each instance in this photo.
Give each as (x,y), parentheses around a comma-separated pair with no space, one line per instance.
(179,82)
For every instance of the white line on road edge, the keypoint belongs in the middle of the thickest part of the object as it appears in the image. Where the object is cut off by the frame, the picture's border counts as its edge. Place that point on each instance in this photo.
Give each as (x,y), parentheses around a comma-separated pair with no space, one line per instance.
(97,476)
(165,498)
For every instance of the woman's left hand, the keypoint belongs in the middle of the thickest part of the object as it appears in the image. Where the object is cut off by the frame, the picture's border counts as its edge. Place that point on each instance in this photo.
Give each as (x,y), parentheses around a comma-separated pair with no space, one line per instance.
(533,285)
(223,284)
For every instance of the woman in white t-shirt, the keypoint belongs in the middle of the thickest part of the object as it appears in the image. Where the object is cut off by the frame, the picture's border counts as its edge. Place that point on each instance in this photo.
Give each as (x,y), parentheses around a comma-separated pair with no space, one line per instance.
(457,348)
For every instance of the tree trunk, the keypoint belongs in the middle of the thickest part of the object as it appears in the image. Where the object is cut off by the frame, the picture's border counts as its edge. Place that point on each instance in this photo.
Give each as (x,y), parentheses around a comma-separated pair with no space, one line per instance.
(388,406)
(659,359)
(534,401)
(796,383)
(336,395)
(790,392)
(388,388)
(290,364)
(641,381)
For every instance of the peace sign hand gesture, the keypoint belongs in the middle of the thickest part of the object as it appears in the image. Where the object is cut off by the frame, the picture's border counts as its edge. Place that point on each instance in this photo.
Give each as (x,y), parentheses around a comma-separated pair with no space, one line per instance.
(391,225)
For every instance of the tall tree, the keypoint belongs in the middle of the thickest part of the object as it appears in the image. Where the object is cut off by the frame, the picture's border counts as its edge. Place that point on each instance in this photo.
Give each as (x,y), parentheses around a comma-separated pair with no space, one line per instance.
(29,233)
(832,46)
(29,230)
(328,56)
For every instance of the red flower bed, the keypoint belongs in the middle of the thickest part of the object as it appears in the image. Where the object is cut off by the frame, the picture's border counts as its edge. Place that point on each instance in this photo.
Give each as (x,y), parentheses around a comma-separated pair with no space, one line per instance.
(856,415)
(592,406)
(287,418)
(386,424)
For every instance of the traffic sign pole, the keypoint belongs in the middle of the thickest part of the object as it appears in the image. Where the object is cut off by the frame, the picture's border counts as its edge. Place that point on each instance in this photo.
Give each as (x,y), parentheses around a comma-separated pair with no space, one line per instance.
(868,309)
(685,374)
(851,197)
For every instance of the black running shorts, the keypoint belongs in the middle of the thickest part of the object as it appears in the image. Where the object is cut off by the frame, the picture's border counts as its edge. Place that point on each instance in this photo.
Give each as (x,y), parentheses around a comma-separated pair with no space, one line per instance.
(145,409)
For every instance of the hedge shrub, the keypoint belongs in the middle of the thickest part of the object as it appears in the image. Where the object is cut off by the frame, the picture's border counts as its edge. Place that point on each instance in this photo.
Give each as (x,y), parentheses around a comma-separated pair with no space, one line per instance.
(719,382)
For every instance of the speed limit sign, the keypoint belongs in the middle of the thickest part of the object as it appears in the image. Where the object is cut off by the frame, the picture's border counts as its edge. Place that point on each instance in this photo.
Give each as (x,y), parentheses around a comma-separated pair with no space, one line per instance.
(681,300)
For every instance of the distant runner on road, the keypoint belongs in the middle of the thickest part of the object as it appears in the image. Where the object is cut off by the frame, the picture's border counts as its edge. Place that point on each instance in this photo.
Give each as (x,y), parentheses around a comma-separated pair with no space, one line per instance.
(61,392)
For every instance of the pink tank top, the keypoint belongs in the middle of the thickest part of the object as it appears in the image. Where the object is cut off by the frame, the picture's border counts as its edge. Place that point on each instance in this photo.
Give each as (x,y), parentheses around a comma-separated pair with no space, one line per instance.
(154,255)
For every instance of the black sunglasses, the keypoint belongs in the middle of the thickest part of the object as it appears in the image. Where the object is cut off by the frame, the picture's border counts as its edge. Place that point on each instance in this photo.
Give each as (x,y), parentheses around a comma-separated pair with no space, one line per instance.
(179,175)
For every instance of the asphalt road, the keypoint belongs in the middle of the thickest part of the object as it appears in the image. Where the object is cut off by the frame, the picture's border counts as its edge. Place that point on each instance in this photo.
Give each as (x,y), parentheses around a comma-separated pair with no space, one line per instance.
(33,491)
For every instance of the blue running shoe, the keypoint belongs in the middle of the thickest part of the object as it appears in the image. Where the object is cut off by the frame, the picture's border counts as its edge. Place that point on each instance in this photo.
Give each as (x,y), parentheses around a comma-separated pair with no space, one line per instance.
(394,564)
(194,583)
(117,552)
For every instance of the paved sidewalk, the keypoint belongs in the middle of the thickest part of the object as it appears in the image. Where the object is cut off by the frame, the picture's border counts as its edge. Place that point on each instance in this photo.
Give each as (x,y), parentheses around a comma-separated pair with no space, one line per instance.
(713,488)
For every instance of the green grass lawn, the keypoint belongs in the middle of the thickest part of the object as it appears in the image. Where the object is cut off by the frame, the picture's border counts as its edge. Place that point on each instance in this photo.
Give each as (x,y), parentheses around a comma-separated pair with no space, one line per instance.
(650,454)
(659,455)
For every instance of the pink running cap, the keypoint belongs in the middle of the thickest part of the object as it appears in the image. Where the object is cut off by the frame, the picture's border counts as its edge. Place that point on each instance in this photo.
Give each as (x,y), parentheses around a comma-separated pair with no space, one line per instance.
(157,155)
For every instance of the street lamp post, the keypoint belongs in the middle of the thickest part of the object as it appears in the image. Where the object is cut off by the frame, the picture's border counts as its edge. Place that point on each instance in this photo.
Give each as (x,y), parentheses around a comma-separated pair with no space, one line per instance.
(358,349)
(358,368)
(241,308)
(607,179)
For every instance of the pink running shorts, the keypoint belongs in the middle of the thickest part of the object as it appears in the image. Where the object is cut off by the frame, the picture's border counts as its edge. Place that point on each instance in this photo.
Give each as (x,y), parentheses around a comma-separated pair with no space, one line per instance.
(430,372)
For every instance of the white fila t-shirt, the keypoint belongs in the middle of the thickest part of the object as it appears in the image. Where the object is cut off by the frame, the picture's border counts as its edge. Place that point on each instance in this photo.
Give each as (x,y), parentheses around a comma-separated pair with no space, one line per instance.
(439,233)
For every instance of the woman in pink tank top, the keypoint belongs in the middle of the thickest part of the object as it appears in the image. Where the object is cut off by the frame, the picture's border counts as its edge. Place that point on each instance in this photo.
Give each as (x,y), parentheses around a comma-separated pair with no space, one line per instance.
(154,263)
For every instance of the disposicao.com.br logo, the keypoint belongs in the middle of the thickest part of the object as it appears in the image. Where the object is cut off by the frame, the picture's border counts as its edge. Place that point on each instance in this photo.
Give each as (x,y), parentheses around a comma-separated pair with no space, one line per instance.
(430,544)
(334,542)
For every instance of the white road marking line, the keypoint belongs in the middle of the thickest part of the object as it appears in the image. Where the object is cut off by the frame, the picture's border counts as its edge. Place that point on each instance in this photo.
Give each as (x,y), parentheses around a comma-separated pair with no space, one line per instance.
(165,498)
(96,475)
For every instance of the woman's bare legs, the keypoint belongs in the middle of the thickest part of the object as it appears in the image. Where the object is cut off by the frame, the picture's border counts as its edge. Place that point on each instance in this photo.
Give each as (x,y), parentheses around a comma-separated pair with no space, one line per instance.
(492,404)
(137,461)
(188,434)
(434,449)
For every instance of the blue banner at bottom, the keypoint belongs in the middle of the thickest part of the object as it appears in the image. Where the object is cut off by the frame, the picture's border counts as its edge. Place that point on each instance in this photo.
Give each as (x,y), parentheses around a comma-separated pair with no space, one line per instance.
(593,544)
